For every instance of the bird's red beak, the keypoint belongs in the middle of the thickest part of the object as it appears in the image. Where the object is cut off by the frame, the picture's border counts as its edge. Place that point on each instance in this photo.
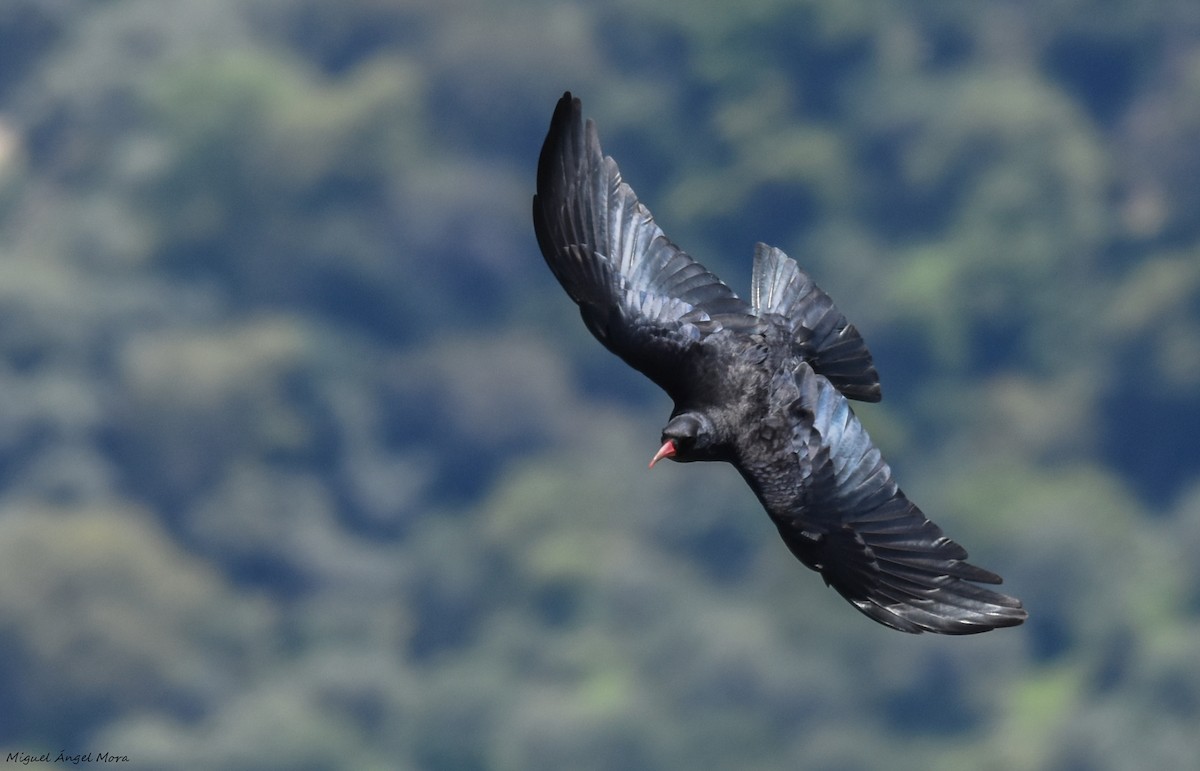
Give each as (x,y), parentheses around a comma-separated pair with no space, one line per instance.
(666,451)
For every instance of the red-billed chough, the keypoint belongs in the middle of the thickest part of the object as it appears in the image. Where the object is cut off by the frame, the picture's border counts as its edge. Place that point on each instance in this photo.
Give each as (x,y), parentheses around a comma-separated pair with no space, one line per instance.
(760,384)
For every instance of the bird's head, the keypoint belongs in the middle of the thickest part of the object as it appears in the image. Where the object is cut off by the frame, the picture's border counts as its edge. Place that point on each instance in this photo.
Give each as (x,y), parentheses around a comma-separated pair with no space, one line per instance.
(687,437)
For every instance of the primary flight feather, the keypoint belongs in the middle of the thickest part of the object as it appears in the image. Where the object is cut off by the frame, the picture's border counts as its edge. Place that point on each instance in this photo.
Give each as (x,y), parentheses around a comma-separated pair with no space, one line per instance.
(762,385)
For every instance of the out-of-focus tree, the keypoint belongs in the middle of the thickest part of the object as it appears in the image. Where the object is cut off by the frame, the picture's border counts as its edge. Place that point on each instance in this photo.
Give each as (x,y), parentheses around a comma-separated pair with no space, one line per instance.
(307,462)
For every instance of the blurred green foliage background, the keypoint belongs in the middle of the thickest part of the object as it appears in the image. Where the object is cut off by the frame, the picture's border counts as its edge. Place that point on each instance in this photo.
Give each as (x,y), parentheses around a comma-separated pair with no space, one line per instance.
(306,461)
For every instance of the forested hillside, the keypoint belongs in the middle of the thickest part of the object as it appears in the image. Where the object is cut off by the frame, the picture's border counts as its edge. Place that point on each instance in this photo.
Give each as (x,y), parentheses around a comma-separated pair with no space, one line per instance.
(307,462)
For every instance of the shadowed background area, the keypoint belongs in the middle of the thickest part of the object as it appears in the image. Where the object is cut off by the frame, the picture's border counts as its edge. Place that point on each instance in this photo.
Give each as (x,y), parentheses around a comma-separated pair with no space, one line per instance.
(307,462)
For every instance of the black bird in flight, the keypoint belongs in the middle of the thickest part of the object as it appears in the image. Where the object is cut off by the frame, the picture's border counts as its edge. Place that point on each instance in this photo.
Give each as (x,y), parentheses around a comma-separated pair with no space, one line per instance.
(760,384)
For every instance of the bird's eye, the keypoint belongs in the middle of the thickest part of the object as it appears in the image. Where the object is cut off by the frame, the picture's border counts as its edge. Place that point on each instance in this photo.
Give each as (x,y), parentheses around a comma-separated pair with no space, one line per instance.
(688,432)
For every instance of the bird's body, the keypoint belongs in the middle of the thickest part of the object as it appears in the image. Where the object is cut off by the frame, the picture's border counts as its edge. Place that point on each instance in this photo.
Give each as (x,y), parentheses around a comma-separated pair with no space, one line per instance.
(762,385)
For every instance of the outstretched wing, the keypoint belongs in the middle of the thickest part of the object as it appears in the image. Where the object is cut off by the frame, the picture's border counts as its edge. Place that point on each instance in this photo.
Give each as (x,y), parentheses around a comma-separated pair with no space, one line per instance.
(640,295)
(849,521)
(820,332)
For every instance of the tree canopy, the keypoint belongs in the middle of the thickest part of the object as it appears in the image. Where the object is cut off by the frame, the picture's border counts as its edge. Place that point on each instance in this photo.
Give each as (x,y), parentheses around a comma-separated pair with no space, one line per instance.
(306,461)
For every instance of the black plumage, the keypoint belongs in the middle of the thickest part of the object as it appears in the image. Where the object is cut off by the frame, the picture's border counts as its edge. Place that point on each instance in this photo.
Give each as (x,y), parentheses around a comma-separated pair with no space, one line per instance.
(761,384)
